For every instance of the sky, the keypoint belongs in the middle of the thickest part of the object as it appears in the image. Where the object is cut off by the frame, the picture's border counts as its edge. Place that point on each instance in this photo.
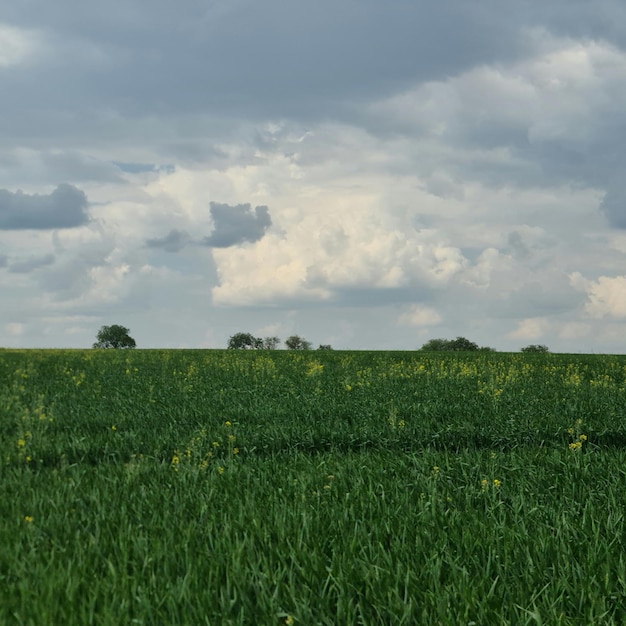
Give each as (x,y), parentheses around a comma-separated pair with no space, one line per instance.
(368,174)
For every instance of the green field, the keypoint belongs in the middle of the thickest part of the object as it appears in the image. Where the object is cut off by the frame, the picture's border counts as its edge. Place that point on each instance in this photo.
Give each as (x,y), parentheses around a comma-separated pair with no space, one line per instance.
(339,488)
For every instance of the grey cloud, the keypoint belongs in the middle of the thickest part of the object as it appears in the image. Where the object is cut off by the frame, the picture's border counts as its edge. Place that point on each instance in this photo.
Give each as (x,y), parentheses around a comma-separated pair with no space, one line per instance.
(613,205)
(32,263)
(3,260)
(174,241)
(77,166)
(301,60)
(65,207)
(135,168)
(72,277)
(517,246)
(553,296)
(236,224)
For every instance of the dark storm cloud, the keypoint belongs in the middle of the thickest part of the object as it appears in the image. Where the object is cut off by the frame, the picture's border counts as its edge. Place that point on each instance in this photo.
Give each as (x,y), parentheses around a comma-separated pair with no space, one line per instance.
(65,207)
(278,58)
(174,241)
(30,264)
(236,224)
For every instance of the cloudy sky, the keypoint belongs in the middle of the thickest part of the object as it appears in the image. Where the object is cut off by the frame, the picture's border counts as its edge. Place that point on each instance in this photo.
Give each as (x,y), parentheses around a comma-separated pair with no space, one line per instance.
(363,173)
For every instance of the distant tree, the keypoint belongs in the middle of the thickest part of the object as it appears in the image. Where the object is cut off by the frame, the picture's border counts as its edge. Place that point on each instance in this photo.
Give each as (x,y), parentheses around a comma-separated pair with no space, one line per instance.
(325,346)
(244,341)
(535,348)
(270,343)
(114,336)
(297,343)
(486,349)
(436,345)
(460,344)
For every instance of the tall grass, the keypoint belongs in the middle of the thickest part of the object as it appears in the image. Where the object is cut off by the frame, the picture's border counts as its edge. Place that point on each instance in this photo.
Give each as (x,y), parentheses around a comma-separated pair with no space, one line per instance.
(207,487)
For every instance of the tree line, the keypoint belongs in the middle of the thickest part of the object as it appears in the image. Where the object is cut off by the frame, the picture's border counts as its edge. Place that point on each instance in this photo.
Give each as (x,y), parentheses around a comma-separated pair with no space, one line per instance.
(247,341)
(117,336)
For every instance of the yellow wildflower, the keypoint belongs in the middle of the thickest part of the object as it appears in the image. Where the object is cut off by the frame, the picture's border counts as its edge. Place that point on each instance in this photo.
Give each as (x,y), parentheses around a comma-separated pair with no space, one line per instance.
(114,428)
(583,437)
(496,482)
(289,620)
(216,444)
(235,450)
(231,437)
(21,443)
(28,519)
(220,470)
(227,424)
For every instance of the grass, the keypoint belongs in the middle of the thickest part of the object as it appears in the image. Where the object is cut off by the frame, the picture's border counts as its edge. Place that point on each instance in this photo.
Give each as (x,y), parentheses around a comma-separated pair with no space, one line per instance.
(207,487)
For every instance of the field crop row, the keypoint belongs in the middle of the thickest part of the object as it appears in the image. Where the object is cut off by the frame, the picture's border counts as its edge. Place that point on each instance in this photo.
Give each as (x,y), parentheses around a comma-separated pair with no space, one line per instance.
(228,487)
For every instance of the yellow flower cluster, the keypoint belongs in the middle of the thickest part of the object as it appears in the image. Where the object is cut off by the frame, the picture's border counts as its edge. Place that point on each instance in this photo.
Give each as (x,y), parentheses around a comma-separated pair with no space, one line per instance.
(202,448)
(578,437)
(484,484)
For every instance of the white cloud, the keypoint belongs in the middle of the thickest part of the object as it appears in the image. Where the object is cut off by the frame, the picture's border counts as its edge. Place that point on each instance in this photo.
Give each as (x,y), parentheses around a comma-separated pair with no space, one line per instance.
(606,295)
(574,330)
(531,328)
(560,91)
(333,242)
(17,45)
(15,329)
(419,315)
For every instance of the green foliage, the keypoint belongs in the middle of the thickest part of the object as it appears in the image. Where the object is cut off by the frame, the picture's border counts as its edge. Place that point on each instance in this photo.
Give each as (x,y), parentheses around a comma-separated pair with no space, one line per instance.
(270,343)
(535,348)
(296,342)
(460,344)
(244,341)
(446,488)
(114,336)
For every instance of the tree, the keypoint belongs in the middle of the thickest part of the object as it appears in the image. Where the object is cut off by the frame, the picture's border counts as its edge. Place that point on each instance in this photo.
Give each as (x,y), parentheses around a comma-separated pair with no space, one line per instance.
(244,341)
(270,343)
(536,348)
(325,346)
(114,336)
(436,345)
(297,343)
(460,344)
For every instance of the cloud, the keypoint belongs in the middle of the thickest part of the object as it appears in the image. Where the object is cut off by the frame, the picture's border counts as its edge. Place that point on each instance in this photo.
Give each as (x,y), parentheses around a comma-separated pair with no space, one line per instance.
(236,224)
(65,207)
(420,315)
(606,296)
(531,328)
(613,205)
(32,263)
(16,45)
(174,241)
